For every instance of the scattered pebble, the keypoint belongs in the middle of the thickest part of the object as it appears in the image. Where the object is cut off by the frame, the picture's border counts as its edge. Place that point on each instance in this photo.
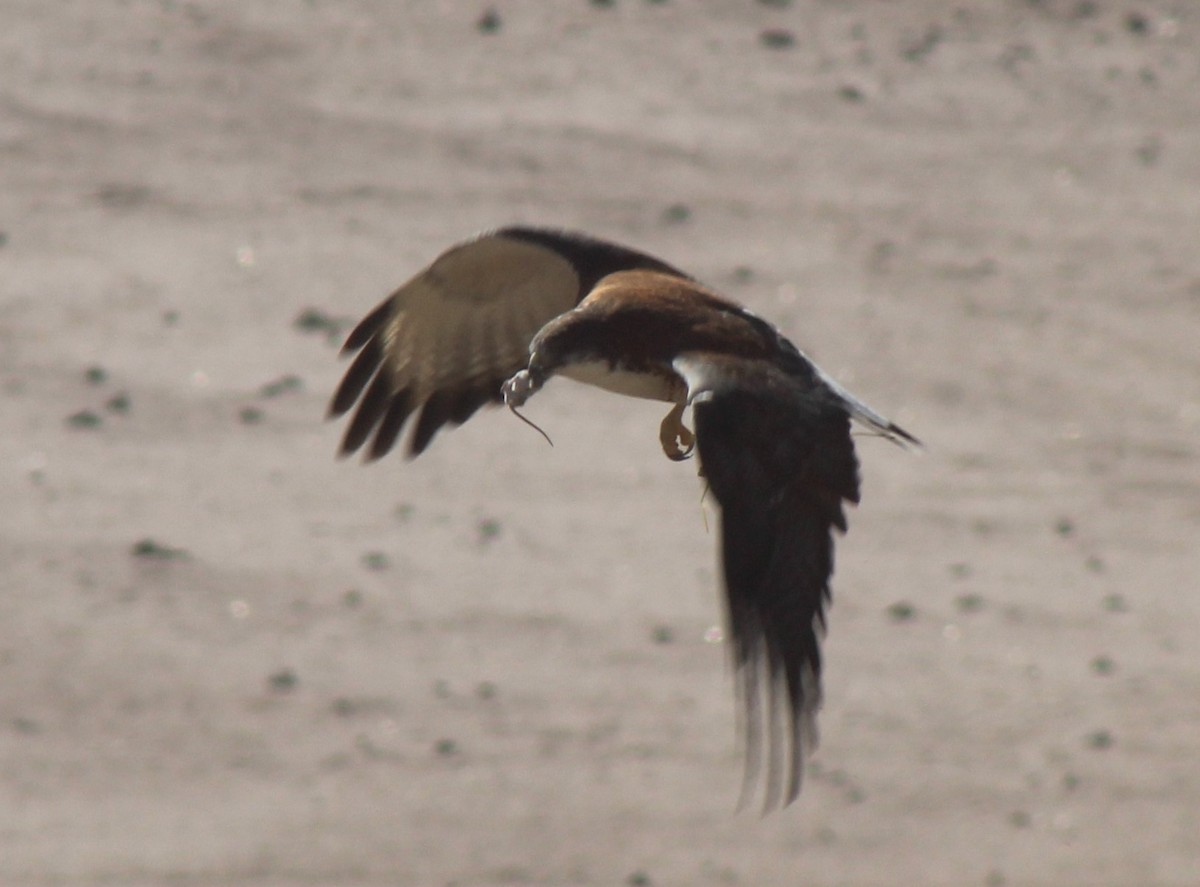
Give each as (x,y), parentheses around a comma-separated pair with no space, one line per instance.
(489,22)
(920,48)
(969,603)
(902,611)
(152,550)
(1149,152)
(251,415)
(1020,819)
(488,530)
(1100,739)
(282,385)
(376,561)
(486,690)
(676,214)
(850,93)
(352,598)
(283,681)
(446,747)
(1115,603)
(26,726)
(1064,527)
(663,634)
(1137,23)
(1104,665)
(639,879)
(96,375)
(777,38)
(118,403)
(84,419)
(314,320)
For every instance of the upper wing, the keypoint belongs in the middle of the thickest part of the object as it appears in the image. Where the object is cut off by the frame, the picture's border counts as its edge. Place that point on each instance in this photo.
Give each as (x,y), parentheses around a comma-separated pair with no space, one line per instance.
(777,454)
(445,341)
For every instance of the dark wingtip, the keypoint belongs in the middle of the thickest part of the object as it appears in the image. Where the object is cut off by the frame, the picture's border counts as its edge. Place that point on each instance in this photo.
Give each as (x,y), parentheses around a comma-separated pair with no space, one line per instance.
(367,327)
(900,437)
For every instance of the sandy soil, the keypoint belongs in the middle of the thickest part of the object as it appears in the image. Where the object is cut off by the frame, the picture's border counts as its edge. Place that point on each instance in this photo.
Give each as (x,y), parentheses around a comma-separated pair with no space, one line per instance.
(228,658)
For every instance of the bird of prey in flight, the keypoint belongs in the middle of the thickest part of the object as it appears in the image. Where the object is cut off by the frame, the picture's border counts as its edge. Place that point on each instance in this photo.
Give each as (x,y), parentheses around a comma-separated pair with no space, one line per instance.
(492,319)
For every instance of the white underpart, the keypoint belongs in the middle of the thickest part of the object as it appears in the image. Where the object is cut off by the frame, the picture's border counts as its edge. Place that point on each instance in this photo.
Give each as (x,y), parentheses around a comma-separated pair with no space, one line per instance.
(702,378)
(598,373)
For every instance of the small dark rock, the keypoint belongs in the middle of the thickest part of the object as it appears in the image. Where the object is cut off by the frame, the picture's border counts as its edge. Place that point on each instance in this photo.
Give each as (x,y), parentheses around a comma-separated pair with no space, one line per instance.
(283,681)
(676,214)
(1137,23)
(118,403)
(251,415)
(446,747)
(918,49)
(777,38)
(314,320)
(970,603)
(488,530)
(902,611)
(282,385)
(851,93)
(150,550)
(1085,9)
(84,419)
(489,22)
(95,375)
(1115,603)
(375,561)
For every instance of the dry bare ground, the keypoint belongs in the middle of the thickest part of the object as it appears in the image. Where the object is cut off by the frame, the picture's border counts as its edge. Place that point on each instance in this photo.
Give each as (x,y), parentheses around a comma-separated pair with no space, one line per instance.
(227,658)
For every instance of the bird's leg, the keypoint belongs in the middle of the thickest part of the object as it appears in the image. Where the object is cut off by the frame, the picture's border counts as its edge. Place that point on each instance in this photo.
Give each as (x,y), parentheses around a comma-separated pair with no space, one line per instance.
(677,439)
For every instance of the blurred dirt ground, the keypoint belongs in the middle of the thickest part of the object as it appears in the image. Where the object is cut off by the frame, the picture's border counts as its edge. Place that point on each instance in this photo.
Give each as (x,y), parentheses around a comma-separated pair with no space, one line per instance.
(228,658)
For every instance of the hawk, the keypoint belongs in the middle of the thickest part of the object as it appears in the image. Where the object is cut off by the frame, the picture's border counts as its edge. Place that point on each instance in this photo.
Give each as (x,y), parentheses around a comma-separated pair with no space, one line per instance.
(492,319)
